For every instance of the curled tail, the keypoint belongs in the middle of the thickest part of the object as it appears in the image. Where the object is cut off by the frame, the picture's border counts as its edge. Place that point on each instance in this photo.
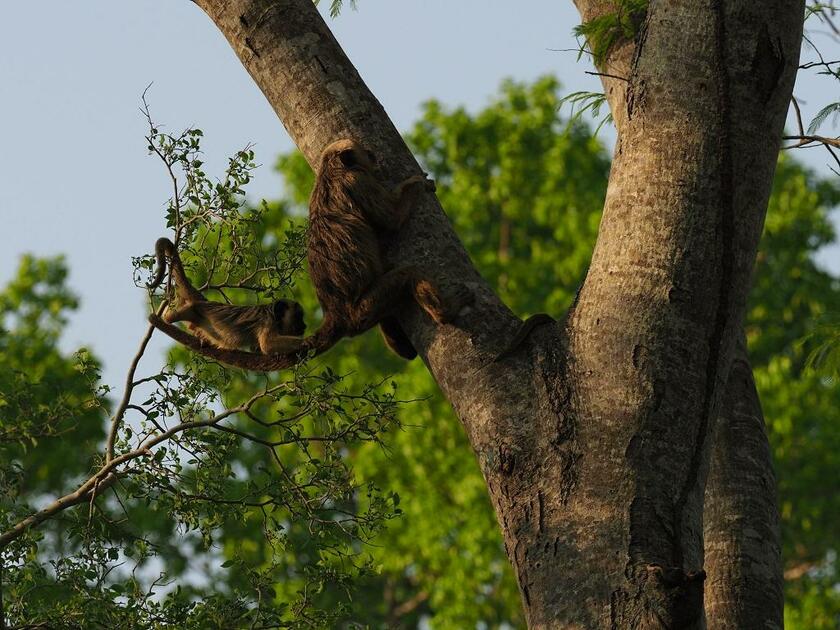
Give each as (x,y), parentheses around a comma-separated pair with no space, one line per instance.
(165,249)
(320,341)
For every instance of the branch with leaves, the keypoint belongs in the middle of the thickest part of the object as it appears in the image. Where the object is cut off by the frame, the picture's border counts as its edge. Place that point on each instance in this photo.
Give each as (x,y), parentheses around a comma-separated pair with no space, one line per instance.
(176,434)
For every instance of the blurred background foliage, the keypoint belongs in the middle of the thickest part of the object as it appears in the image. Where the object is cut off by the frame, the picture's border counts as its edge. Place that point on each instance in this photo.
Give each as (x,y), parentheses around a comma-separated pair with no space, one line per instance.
(523,188)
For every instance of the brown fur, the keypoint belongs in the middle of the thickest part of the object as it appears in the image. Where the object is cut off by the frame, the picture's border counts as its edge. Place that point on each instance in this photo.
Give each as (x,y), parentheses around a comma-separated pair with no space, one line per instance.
(351,216)
(266,328)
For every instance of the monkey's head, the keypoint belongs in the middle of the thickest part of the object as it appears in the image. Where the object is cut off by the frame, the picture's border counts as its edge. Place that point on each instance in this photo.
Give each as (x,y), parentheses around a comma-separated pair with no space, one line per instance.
(347,155)
(288,317)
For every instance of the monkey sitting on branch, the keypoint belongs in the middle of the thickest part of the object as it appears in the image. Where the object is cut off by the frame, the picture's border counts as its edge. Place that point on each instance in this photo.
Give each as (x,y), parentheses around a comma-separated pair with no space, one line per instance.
(266,328)
(351,215)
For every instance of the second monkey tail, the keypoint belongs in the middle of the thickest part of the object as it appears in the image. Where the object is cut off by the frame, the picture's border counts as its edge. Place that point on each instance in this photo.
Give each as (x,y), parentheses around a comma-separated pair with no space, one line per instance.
(322,339)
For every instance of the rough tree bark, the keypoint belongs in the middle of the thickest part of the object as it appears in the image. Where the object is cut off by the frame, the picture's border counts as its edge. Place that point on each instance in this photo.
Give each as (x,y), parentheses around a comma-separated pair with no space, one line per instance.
(595,439)
(741,529)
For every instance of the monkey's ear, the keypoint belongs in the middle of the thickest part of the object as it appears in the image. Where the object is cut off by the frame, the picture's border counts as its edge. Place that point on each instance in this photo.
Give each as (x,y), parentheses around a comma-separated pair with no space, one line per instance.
(349,158)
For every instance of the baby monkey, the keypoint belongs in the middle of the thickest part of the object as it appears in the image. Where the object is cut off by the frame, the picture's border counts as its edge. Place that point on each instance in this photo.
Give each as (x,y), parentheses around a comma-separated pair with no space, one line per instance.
(265,328)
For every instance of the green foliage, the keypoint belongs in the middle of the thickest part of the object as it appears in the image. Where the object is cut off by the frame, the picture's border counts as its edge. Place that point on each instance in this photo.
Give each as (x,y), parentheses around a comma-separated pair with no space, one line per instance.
(817,602)
(336,6)
(831,110)
(583,102)
(825,355)
(201,462)
(612,27)
(44,394)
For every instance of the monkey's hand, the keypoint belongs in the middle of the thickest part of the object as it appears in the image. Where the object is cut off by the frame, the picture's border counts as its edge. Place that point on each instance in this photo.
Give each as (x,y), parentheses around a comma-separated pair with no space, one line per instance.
(415,180)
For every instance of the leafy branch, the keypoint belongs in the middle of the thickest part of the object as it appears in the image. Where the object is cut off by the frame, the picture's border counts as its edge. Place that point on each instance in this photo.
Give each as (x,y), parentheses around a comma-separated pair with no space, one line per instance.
(601,33)
(584,101)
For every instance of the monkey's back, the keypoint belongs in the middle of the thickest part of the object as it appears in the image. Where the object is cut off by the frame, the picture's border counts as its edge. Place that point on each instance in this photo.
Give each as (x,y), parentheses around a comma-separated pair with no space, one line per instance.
(343,248)
(343,255)
(235,327)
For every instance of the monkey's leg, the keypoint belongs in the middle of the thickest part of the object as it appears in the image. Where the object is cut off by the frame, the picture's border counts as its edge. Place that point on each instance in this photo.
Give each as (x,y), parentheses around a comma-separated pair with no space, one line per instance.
(381,300)
(443,311)
(183,313)
(396,339)
(384,297)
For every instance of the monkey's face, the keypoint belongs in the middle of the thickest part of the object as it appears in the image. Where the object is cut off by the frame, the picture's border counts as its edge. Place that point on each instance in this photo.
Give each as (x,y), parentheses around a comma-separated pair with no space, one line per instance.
(288,316)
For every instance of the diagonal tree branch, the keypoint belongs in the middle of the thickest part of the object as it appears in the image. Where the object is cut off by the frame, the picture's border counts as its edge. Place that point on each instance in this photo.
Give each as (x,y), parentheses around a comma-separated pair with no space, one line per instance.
(320,97)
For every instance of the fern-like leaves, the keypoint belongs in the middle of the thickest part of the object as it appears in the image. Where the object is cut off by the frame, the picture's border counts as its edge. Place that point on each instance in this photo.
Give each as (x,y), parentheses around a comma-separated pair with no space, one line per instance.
(825,357)
(582,102)
(336,5)
(603,32)
(832,110)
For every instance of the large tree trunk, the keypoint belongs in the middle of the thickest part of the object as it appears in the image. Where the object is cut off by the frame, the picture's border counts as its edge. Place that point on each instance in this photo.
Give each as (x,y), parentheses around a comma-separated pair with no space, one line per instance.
(594,444)
(741,520)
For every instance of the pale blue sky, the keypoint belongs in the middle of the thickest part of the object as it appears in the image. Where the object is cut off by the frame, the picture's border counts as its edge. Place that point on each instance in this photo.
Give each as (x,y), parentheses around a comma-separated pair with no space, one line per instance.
(74,174)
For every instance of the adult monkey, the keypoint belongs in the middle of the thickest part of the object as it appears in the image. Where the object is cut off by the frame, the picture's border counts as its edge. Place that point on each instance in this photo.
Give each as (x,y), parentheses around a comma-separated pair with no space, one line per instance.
(351,215)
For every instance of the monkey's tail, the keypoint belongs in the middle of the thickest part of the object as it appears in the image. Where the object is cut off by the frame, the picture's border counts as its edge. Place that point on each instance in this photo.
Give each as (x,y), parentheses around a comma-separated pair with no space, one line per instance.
(324,338)
(540,319)
(163,248)
(320,341)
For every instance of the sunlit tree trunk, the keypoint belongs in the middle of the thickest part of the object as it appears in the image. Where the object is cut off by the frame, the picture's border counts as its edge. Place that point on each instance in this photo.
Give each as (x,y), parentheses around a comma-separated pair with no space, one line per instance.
(594,440)
(741,519)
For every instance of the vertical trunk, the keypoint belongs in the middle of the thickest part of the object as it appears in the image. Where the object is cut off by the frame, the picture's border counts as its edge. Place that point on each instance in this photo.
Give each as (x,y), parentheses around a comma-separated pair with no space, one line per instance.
(741,521)
(653,332)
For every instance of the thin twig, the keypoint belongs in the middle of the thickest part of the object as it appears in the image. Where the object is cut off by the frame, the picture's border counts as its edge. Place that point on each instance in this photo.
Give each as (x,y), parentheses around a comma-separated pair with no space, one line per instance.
(803,140)
(798,111)
(116,419)
(107,475)
(836,159)
(605,74)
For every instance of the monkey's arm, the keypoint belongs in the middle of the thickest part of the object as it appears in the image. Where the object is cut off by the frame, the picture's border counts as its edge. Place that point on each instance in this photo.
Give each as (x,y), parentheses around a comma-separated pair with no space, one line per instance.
(405,196)
(319,342)
(389,209)
(539,319)
(270,342)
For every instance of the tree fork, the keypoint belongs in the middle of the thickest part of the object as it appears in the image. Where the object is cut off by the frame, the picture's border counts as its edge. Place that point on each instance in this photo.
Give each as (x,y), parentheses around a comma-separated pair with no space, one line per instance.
(592,445)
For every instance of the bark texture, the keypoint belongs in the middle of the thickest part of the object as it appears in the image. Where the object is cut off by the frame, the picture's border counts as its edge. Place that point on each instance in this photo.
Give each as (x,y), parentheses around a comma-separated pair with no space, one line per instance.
(741,519)
(703,110)
(593,440)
